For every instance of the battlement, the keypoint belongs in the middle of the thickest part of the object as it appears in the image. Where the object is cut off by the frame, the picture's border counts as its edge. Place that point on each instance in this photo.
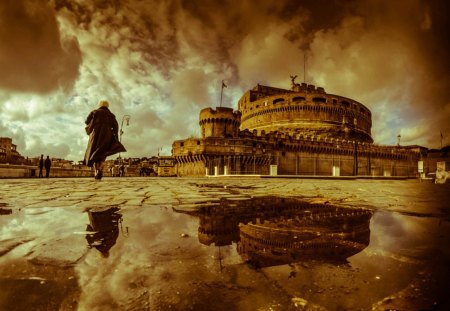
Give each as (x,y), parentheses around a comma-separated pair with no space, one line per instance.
(220,112)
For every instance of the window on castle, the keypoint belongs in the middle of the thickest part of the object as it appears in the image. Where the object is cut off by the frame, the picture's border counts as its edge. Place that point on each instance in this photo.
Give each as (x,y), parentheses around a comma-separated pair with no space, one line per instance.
(298,99)
(319,100)
(278,100)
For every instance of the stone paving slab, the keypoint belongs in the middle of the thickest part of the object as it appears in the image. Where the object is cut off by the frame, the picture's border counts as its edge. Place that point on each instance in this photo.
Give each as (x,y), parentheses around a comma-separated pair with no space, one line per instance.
(159,263)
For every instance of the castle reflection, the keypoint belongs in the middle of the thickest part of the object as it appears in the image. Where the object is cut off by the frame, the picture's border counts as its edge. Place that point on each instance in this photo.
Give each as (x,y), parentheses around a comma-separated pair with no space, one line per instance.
(273,231)
(103,228)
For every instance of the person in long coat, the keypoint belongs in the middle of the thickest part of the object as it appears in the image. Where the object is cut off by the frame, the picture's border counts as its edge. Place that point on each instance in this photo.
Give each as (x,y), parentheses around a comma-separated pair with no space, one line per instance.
(47,164)
(41,165)
(102,127)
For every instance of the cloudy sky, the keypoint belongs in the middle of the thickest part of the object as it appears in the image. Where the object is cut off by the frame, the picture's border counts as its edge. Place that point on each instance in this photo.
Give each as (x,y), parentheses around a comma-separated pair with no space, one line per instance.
(162,61)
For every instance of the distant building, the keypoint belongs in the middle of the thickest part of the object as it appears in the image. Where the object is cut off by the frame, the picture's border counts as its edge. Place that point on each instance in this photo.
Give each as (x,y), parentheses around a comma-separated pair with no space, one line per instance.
(435,156)
(63,163)
(9,153)
(301,131)
(133,166)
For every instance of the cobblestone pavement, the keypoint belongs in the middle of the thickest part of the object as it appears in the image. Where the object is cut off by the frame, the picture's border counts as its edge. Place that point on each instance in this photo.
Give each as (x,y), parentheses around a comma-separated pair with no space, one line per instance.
(158,259)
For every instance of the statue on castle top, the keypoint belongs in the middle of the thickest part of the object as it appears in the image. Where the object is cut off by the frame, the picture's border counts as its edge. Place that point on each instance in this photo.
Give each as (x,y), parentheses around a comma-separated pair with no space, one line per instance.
(294,85)
(293,80)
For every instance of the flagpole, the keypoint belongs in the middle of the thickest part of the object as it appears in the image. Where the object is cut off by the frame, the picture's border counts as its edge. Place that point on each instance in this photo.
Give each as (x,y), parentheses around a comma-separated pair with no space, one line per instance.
(221,92)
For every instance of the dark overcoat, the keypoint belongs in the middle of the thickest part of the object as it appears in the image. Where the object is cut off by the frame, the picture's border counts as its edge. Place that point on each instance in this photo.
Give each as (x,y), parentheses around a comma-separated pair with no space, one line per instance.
(103,140)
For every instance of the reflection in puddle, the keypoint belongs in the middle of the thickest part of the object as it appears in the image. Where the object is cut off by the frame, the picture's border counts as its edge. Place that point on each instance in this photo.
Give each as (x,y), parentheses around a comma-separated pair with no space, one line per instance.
(103,228)
(298,246)
(4,210)
(274,231)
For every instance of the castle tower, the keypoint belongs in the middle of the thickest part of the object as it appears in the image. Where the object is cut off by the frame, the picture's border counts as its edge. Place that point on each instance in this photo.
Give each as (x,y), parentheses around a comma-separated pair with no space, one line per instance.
(222,122)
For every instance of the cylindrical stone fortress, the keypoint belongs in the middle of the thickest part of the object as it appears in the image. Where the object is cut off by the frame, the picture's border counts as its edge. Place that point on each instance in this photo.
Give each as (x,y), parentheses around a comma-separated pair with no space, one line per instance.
(304,110)
(222,122)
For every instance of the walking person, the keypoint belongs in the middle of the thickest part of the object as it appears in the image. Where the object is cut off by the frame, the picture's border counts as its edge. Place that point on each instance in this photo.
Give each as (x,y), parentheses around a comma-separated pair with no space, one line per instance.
(102,128)
(41,165)
(47,164)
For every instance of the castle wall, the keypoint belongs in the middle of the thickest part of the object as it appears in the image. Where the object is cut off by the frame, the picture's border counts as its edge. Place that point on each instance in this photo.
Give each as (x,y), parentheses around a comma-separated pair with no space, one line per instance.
(191,167)
(294,155)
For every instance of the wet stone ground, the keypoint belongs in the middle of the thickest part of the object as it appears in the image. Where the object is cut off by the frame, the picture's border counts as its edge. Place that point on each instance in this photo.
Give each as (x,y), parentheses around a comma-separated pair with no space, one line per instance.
(224,244)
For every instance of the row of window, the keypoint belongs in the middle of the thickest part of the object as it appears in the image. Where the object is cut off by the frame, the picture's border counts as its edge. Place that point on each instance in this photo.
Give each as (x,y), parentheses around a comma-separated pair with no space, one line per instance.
(331,110)
(219,120)
(299,99)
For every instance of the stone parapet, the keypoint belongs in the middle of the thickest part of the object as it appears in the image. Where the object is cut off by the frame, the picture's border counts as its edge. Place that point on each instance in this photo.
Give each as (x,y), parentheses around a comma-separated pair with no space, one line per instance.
(26,171)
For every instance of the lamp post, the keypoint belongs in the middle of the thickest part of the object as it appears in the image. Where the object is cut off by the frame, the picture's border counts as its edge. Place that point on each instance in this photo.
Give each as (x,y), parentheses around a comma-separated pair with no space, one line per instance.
(124,118)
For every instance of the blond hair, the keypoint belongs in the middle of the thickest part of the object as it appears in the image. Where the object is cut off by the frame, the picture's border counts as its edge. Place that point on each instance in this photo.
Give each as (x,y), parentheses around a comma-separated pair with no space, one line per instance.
(103,103)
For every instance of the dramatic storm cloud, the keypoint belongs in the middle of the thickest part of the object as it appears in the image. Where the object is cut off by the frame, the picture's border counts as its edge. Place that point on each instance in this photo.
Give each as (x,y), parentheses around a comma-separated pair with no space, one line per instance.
(162,61)
(34,56)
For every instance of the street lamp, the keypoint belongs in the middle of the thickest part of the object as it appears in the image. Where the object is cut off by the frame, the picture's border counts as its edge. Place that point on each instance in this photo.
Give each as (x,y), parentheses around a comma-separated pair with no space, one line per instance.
(124,118)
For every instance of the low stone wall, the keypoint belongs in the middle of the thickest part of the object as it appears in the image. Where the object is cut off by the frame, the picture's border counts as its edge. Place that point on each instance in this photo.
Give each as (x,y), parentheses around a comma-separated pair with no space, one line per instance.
(26,171)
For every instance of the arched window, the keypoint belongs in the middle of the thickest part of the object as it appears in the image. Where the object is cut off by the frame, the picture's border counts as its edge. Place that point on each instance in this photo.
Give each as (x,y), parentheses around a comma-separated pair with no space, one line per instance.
(298,99)
(278,100)
(345,103)
(319,100)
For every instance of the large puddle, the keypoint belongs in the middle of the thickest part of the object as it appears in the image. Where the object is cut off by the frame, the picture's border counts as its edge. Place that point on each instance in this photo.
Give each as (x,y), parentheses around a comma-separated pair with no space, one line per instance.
(265,253)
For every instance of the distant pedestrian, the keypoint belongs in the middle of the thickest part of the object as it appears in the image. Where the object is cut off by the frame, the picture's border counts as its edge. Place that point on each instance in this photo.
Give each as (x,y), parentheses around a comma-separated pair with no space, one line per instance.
(48,164)
(41,165)
(122,170)
(102,128)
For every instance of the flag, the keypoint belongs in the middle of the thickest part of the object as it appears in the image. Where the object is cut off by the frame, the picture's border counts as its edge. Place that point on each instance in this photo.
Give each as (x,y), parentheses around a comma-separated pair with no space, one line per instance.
(223,84)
